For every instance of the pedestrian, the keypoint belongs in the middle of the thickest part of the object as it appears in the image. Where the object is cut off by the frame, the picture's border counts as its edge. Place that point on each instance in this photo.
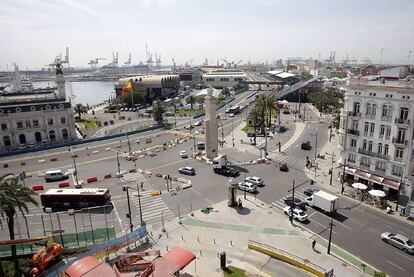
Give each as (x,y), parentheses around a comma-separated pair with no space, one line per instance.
(313,245)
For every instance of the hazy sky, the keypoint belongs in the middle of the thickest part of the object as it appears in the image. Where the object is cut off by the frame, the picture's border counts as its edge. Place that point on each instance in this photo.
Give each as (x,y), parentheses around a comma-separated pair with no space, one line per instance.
(33,32)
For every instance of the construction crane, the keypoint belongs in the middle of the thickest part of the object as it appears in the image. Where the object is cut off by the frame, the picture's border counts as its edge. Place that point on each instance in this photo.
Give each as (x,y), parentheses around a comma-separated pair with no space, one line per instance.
(114,58)
(157,60)
(94,63)
(128,62)
(174,64)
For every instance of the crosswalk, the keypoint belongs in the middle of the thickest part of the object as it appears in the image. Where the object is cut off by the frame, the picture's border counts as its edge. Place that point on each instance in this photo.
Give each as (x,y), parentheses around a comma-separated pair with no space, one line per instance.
(153,207)
(299,162)
(280,204)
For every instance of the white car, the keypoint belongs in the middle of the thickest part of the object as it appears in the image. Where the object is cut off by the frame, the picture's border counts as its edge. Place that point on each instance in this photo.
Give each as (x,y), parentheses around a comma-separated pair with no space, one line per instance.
(247,186)
(255,180)
(231,114)
(183,154)
(298,214)
(198,123)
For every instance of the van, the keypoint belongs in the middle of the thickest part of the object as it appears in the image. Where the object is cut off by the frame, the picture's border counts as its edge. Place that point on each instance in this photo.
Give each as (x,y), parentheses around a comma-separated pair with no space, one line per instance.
(56,175)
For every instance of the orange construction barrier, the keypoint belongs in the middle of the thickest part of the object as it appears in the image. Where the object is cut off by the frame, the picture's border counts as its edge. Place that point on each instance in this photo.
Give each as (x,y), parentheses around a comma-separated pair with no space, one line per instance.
(64,184)
(91,180)
(38,187)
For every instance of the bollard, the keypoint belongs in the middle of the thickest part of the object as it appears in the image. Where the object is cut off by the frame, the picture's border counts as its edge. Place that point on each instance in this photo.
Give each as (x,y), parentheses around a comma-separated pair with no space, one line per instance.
(214,240)
(198,239)
(182,237)
(166,247)
(201,253)
(151,233)
(231,243)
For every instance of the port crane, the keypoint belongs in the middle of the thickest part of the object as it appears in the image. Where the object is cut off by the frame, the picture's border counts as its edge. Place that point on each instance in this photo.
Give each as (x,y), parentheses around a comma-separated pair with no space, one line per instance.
(128,62)
(231,64)
(94,63)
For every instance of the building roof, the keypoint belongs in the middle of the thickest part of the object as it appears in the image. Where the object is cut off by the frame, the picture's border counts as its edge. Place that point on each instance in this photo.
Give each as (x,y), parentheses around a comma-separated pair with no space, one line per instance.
(284,75)
(203,93)
(180,256)
(275,72)
(89,266)
(225,73)
(148,79)
(84,191)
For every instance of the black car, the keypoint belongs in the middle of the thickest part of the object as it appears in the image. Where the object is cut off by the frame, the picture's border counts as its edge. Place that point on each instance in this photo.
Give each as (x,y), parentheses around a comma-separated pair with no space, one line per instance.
(187,170)
(227,171)
(284,168)
(298,203)
(306,145)
(310,191)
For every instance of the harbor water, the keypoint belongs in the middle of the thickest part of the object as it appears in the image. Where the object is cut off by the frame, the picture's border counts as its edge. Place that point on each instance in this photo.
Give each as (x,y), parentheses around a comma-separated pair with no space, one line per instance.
(85,93)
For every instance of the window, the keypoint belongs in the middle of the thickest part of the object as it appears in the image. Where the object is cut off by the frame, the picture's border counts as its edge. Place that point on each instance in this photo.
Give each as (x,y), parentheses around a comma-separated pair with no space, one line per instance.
(4,126)
(63,120)
(65,134)
(356,107)
(36,123)
(6,140)
(353,142)
(351,158)
(374,109)
(381,165)
(386,149)
(382,131)
(370,146)
(22,139)
(366,127)
(401,135)
(19,125)
(388,133)
(365,161)
(355,125)
(368,109)
(50,121)
(403,113)
(386,111)
(399,152)
(372,128)
(52,135)
(396,170)
(380,148)
(364,145)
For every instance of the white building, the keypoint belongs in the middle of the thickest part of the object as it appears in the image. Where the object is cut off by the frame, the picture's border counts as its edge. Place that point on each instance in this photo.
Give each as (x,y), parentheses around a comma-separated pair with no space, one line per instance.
(223,78)
(376,134)
(29,119)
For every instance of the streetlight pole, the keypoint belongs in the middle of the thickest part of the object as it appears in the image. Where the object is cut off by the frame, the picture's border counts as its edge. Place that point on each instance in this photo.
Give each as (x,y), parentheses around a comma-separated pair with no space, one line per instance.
(332,162)
(74,165)
(129,144)
(292,206)
(330,235)
(343,178)
(139,203)
(131,226)
(117,162)
(398,192)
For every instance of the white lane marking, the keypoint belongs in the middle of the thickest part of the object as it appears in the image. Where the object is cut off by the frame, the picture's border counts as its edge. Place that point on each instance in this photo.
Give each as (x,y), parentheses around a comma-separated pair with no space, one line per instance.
(117,215)
(347,227)
(402,255)
(312,213)
(396,265)
(387,225)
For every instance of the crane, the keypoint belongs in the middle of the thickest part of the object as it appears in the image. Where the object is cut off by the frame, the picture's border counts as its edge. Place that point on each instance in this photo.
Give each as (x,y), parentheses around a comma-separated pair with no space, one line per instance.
(174,64)
(94,63)
(128,62)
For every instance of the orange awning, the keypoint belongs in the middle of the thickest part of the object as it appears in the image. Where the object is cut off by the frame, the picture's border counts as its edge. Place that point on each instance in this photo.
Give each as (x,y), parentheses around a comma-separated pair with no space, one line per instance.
(376,179)
(180,256)
(362,174)
(391,184)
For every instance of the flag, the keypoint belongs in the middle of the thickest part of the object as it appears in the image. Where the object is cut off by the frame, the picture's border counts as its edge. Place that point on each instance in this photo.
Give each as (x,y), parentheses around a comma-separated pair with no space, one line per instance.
(127,88)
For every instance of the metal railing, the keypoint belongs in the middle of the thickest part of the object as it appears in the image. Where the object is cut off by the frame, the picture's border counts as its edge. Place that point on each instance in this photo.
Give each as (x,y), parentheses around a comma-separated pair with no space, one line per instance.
(400,141)
(354,114)
(386,118)
(373,154)
(353,132)
(402,121)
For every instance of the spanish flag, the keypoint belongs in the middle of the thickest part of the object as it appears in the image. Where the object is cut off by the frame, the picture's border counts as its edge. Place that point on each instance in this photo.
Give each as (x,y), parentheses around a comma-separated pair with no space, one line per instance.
(127,88)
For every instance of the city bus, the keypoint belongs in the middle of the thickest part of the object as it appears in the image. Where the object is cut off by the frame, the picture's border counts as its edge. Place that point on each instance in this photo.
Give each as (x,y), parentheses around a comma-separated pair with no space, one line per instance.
(65,199)
(233,110)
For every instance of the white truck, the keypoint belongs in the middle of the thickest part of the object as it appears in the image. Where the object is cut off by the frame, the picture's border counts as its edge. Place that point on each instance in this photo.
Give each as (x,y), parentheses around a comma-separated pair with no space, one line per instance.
(323,201)
(220,166)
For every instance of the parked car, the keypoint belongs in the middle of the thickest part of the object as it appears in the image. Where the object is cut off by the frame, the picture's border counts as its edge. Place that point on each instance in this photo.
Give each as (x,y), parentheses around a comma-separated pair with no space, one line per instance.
(231,114)
(189,127)
(32,145)
(56,175)
(168,114)
(183,154)
(400,241)
(297,202)
(298,214)
(284,168)
(310,191)
(187,170)
(254,180)
(286,112)
(247,186)
(22,146)
(198,123)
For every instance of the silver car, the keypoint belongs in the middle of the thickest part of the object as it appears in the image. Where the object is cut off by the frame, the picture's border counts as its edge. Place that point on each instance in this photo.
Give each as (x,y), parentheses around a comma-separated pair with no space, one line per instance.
(255,180)
(400,241)
(247,186)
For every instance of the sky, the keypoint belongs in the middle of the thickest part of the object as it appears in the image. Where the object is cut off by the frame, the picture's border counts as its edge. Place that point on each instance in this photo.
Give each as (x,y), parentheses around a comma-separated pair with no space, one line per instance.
(33,32)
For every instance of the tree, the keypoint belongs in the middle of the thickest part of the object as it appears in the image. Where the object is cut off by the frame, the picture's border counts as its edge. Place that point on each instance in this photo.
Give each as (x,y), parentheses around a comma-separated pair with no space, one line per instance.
(271,106)
(80,109)
(158,111)
(138,98)
(226,92)
(13,197)
(328,100)
(255,117)
(191,100)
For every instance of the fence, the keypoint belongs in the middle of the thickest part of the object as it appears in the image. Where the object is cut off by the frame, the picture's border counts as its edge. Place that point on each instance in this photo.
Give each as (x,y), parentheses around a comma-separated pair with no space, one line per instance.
(85,227)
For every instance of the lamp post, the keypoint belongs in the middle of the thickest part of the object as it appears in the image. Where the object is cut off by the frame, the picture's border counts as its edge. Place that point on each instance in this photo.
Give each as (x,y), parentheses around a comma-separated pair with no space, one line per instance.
(74,165)
(331,170)
(398,192)
(139,204)
(117,162)
(343,178)
(128,215)
(330,235)
(129,144)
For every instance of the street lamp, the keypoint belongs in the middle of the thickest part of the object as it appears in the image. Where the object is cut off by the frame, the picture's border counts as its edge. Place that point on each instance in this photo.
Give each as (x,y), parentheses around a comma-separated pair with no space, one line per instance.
(118,163)
(330,235)
(74,165)
(343,178)
(129,144)
(332,162)
(128,215)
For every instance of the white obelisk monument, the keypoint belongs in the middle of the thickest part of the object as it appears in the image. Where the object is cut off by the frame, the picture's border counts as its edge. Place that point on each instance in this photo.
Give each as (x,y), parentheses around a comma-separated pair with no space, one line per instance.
(211,131)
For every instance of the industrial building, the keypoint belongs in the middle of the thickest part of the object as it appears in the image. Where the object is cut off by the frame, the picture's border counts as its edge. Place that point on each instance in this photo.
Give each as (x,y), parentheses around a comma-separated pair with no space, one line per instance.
(225,78)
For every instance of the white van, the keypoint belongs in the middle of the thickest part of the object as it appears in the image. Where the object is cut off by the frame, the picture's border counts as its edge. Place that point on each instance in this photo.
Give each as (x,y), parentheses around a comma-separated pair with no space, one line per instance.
(56,175)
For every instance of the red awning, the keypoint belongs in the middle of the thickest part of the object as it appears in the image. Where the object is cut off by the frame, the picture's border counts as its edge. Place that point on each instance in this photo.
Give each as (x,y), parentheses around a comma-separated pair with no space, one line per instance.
(391,184)
(180,256)
(350,170)
(362,174)
(376,179)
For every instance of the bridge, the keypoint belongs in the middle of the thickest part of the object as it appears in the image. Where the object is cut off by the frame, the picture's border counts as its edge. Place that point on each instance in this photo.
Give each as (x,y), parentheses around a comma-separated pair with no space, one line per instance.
(293,88)
(262,82)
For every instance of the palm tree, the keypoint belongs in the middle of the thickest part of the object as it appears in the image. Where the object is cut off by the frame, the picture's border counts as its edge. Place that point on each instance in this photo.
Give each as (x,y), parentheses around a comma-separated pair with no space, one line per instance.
(271,106)
(80,109)
(158,111)
(14,197)
(226,92)
(255,116)
(261,105)
(191,100)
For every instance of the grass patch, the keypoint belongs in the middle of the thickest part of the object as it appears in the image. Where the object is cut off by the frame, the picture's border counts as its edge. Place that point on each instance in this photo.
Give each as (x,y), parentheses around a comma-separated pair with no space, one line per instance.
(232,271)
(248,129)
(89,123)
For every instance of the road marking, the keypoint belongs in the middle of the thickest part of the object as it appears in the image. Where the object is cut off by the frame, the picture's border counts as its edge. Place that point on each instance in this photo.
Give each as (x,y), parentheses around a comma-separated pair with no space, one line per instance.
(199,194)
(396,265)
(119,219)
(312,213)
(386,225)
(402,255)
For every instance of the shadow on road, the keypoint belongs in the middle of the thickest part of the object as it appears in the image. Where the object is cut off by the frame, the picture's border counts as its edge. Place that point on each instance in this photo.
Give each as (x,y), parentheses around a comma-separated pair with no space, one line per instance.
(243,211)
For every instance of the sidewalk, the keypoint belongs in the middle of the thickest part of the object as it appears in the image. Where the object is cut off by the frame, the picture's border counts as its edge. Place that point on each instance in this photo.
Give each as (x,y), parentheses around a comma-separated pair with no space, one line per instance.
(230,229)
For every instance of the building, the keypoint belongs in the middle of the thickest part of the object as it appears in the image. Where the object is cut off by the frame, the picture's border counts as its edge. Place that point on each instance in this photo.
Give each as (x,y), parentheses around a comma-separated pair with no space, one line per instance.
(152,86)
(369,70)
(394,72)
(223,78)
(33,119)
(376,135)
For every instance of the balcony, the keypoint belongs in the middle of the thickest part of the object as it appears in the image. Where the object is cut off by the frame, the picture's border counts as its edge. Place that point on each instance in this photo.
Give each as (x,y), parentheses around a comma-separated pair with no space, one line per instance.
(364,166)
(373,154)
(354,114)
(370,116)
(401,121)
(399,141)
(386,118)
(353,132)
(380,170)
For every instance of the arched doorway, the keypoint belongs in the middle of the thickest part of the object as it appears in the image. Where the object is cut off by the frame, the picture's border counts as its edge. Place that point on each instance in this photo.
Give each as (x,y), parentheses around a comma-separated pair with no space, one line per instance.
(6,140)
(65,134)
(52,135)
(38,137)
(22,139)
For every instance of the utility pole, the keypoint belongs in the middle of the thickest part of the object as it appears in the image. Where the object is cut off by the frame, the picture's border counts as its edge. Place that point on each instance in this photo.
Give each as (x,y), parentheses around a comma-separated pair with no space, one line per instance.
(117,162)
(74,165)
(131,226)
(129,144)
(139,204)
(343,178)
(331,170)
